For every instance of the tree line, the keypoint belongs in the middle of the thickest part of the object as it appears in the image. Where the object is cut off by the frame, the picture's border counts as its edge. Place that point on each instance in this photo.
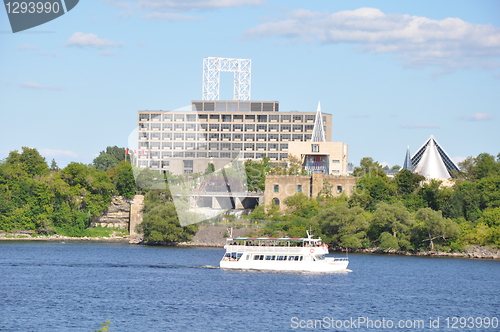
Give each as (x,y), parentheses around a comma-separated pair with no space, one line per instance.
(400,213)
(48,200)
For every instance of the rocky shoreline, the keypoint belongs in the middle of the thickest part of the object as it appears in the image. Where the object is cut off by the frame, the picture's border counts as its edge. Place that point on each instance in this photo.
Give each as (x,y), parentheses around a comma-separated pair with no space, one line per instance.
(57,237)
(215,237)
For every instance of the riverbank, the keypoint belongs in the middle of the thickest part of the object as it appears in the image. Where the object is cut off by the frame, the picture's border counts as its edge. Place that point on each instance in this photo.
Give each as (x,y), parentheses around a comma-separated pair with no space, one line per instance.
(479,252)
(57,237)
(215,237)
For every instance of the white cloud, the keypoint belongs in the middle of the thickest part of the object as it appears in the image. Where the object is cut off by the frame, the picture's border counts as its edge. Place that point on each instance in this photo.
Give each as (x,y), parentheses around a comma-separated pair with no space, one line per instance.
(419,125)
(32,85)
(449,43)
(360,116)
(477,117)
(190,5)
(82,40)
(171,17)
(50,54)
(58,153)
(164,9)
(107,53)
(27,47)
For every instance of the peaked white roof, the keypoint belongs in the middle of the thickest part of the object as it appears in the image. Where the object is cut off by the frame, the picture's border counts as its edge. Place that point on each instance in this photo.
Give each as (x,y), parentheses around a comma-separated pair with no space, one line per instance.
(432,161)
(318,134)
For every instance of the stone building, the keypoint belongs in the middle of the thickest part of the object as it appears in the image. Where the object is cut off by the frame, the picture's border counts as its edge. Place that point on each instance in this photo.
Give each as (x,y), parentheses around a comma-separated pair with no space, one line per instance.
(279,187)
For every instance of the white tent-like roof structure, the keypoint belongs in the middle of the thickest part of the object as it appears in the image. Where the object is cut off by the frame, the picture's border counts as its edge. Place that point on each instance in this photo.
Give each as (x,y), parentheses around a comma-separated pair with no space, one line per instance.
(432,161)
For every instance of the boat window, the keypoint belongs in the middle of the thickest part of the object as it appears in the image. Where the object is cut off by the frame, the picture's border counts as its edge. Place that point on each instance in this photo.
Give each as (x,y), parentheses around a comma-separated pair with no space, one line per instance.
(258,257)
(281,258)
(319,257)
(248,256)
(270,257)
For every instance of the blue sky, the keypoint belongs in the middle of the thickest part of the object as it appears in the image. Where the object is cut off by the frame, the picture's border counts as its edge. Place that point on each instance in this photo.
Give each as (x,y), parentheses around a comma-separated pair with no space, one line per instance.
(391,73)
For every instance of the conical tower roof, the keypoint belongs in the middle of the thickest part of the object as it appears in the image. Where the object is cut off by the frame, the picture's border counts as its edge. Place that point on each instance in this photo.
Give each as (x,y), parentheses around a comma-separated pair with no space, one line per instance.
(407,164)
(318,134)
(432,161)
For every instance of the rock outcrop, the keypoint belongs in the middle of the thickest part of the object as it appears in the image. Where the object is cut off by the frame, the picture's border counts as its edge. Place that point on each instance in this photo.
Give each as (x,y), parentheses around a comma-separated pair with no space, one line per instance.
(117,215)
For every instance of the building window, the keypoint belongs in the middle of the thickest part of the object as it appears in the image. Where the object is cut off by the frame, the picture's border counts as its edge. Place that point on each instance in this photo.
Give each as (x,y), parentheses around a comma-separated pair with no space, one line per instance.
(339,189)
(276,188)
(335,161)
(299,188)
(314,147)
(262,118)
(249,127)
(165,163)
(260,155)
(276,201)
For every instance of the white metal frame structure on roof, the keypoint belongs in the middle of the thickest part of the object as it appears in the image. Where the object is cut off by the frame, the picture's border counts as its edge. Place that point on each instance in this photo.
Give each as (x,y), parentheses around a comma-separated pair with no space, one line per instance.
(432,161)
(211,77)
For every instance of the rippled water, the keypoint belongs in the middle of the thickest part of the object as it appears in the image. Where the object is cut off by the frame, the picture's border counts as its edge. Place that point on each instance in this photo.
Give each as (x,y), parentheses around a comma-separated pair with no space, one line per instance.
(49,286)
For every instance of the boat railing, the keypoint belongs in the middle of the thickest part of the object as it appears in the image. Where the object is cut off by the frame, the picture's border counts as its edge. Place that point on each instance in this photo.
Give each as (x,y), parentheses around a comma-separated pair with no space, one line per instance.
(236,248)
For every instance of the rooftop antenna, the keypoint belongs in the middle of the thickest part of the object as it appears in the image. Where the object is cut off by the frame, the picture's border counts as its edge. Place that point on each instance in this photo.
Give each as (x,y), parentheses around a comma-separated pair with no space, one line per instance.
(242,69)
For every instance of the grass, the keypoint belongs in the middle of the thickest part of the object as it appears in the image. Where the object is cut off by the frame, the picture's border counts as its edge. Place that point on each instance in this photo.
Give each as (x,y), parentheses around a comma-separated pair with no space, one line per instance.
(105,232)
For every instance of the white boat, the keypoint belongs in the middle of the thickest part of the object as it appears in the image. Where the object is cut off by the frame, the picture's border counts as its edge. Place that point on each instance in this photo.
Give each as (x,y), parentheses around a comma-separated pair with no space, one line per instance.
(280,254)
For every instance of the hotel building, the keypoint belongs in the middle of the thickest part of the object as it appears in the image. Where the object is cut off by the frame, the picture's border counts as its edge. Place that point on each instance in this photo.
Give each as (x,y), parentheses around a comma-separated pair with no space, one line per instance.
(185,142)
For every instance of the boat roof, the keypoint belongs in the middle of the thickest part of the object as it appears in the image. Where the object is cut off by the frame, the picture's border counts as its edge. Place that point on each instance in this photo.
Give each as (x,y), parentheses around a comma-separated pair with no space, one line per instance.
(272,239)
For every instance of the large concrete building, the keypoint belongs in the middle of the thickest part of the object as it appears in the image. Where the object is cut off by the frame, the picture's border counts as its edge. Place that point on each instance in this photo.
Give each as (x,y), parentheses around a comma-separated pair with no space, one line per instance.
(186,141)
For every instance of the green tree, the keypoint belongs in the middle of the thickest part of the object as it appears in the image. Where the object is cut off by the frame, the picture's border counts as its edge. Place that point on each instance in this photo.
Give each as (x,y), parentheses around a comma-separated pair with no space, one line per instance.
(368,167)
(29,161)
(256,174)
(123,178)
(407,182)
(393,219)
(290,166)
(160,223)
(342,226)
(53,166)
(431,226)
(105,162)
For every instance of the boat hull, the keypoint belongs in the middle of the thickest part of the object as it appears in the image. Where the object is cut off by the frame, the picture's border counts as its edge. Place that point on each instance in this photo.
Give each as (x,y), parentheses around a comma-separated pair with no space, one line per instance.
(327,265)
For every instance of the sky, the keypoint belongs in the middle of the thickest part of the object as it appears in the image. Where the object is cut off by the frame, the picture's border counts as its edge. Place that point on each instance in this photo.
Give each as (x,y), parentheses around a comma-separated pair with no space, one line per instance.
(391,73)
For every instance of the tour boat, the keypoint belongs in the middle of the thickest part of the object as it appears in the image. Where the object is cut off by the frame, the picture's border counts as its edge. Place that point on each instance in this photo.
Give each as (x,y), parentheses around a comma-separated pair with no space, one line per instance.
(280,254)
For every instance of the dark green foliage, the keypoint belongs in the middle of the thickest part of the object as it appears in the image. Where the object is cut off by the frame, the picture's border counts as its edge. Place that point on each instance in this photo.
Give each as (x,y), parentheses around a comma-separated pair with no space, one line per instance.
(342,226)
(256,174)
(432,227)
(400,213)
(123,178)
(160,224)
(32,197)
(393,219)
(110,158)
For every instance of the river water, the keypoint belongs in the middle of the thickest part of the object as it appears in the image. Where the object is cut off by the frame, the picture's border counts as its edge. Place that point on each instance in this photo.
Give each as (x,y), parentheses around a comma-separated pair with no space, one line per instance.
(56,286)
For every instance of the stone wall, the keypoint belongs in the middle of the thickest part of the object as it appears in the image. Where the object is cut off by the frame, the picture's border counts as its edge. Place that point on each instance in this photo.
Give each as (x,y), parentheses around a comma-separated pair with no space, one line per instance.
(117,215)
(279,187)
